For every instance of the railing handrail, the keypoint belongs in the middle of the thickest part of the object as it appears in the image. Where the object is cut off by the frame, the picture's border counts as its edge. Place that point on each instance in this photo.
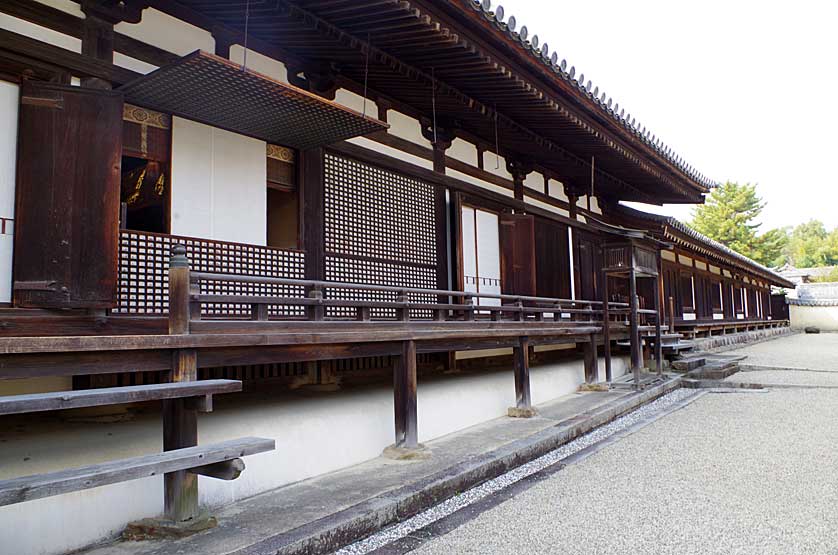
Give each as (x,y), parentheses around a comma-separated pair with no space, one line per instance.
(214,276)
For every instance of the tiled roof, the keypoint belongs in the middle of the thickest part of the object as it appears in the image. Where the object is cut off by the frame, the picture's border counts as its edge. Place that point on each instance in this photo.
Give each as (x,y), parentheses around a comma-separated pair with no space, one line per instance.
(712,244)
(611,109)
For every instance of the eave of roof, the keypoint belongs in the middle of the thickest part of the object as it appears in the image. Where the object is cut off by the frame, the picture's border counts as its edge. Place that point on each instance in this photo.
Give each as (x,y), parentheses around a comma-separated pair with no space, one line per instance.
(597,102)
(669,224)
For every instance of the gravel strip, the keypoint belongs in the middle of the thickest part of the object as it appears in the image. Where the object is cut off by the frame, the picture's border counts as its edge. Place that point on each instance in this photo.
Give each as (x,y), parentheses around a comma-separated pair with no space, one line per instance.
(729,474)
(806,351)
(468,497)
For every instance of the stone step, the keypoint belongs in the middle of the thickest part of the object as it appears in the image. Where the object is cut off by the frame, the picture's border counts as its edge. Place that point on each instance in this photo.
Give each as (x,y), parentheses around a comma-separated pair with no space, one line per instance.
(688,363)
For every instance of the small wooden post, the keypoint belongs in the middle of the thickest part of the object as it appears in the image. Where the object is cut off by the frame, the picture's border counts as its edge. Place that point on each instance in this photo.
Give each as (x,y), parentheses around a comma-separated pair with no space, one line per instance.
(671,315)
(634,327)
(606,328)
(180,422)
(658,318)
(404,397)
(591,370)
(523,399)
(316,311)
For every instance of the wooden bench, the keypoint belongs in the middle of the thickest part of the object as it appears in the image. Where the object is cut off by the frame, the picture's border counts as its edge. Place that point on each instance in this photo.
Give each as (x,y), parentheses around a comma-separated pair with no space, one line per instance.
(194,459)
(201,391)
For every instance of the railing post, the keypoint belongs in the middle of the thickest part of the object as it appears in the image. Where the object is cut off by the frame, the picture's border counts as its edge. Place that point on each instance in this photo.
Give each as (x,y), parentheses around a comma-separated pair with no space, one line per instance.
(523,400)
(671,315)
(658,318)
(403,313)
(180,423)
(404,397)
(634,328)
(316,311)
(468,309)
(606,328)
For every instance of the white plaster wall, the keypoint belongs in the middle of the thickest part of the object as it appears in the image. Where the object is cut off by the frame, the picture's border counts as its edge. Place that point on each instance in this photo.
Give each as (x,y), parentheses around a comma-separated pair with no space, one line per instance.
(463,151)
(406,128)
(392,152)
(556,189)
(166,32)
(9,93)
(260,63)
(495,164)
(823,317)
(216,177)
(41,33)
(356,102)
(67,6)
(668,255)
(534,180)
(549,207)
(133,64)
(479,182)
(358,423)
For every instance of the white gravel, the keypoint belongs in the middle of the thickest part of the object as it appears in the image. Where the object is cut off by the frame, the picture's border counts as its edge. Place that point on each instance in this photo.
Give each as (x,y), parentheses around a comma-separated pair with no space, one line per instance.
(731,474)
(457,502)
(786,377)
(805,351)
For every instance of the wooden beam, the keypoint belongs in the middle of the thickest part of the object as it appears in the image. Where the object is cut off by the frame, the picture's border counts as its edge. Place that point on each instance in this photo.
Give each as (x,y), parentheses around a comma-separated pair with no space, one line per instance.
(64,400)
(27,488)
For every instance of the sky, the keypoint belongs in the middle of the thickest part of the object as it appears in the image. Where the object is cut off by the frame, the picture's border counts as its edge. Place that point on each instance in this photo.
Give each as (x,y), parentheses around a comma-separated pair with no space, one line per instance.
(744,91)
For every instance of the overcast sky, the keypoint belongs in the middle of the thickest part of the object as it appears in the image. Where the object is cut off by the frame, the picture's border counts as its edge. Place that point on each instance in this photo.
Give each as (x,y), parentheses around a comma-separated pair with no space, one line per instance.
(743,90)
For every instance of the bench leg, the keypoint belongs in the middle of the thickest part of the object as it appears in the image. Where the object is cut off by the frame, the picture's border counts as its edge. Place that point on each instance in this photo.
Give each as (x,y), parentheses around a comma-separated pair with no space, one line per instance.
(180,429)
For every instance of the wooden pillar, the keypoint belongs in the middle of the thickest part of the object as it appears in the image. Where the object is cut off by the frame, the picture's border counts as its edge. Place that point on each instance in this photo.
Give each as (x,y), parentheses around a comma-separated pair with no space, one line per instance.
(519,170)
(404,397)
(606,328)
(521,353)
(180,420)
(591,370)
(312,213)
(97,42)
(634,327)
(658,319)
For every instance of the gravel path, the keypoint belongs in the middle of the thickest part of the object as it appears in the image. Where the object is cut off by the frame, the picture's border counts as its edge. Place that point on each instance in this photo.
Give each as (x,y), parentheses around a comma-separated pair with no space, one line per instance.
(736,473)
(786,377)
(812,351)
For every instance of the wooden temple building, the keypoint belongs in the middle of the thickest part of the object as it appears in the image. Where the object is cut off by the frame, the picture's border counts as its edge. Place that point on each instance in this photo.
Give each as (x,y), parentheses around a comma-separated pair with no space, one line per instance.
(316,208)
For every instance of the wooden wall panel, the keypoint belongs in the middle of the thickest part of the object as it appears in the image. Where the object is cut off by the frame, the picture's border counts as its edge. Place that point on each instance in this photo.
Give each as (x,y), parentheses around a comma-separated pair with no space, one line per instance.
(67,206)
(552,262)
(517,244)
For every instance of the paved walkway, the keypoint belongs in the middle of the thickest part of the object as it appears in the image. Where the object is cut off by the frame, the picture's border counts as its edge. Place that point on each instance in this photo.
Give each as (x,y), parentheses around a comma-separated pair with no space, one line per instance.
(731,473)
(809,360)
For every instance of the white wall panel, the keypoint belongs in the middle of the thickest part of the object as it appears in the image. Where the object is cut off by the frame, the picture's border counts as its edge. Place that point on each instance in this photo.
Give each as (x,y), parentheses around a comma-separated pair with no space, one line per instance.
(257,62)
(166,32)
(218,184)
(8,157)
(43,34)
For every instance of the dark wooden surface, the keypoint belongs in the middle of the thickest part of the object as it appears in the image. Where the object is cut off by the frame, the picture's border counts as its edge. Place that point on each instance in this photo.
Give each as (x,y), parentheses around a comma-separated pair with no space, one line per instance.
(517,246)
(26,488)
(521,355)
(63,400)
(67,197)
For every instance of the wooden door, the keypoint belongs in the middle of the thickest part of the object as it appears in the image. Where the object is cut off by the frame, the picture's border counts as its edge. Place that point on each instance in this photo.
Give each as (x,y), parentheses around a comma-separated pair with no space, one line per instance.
(517,244)
(67,198)
(587,265)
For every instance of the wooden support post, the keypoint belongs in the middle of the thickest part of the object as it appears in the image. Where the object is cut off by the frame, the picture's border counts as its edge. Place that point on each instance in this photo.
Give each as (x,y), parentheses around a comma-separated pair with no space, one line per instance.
(180,429)
(671,315)
(658,339)
(591,370)
(606,328)
(634,327)
(523,400)
(404,396)
(180,420)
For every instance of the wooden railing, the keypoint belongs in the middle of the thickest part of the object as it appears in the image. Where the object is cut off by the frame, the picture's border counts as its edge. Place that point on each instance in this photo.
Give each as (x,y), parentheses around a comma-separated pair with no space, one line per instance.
(409,304)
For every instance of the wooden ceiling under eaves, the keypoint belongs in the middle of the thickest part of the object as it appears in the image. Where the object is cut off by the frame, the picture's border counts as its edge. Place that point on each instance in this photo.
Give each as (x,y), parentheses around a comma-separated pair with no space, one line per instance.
(409,46)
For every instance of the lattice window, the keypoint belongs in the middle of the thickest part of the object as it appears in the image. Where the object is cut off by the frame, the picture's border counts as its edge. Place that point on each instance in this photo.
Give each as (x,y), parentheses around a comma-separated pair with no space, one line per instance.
(144,272)
(380,229)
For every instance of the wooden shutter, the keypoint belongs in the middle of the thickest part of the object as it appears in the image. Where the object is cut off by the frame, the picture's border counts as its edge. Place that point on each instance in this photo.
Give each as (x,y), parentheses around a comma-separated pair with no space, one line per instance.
(517,243)
(67,205)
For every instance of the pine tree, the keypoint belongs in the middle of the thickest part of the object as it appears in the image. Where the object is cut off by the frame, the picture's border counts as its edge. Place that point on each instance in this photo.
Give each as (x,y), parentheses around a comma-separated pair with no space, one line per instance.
(729,216)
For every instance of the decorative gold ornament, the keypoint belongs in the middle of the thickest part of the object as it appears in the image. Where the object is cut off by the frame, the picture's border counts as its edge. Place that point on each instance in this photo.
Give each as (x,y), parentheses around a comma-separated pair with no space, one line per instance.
(281,153)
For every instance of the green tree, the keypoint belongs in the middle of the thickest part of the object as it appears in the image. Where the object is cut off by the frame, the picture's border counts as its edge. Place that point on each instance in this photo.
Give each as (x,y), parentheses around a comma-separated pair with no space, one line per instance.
(729,216)
(811,245)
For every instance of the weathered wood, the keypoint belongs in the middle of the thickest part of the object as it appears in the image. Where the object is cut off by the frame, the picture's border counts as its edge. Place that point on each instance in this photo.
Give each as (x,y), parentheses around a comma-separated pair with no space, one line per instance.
(590,359)
(606,328)
(179,286)
(658,318)
(180,430)
(636,355)
(27,488)
(224,470)
(67,202)
(64,400)
(521,354)
(517,240)
(404,389)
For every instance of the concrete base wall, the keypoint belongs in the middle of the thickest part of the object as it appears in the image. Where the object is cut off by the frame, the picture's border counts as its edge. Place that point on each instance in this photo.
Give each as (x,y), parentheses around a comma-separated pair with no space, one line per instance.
(823,317)
(315,433)
(736,340)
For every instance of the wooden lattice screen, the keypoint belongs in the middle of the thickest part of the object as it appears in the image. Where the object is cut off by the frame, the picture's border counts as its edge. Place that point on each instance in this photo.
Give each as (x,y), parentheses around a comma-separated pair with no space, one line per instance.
(380,229)
(144,272)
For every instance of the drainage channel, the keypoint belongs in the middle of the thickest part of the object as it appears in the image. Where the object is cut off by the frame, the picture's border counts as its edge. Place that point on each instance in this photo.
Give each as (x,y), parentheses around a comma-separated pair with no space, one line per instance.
(455,511)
